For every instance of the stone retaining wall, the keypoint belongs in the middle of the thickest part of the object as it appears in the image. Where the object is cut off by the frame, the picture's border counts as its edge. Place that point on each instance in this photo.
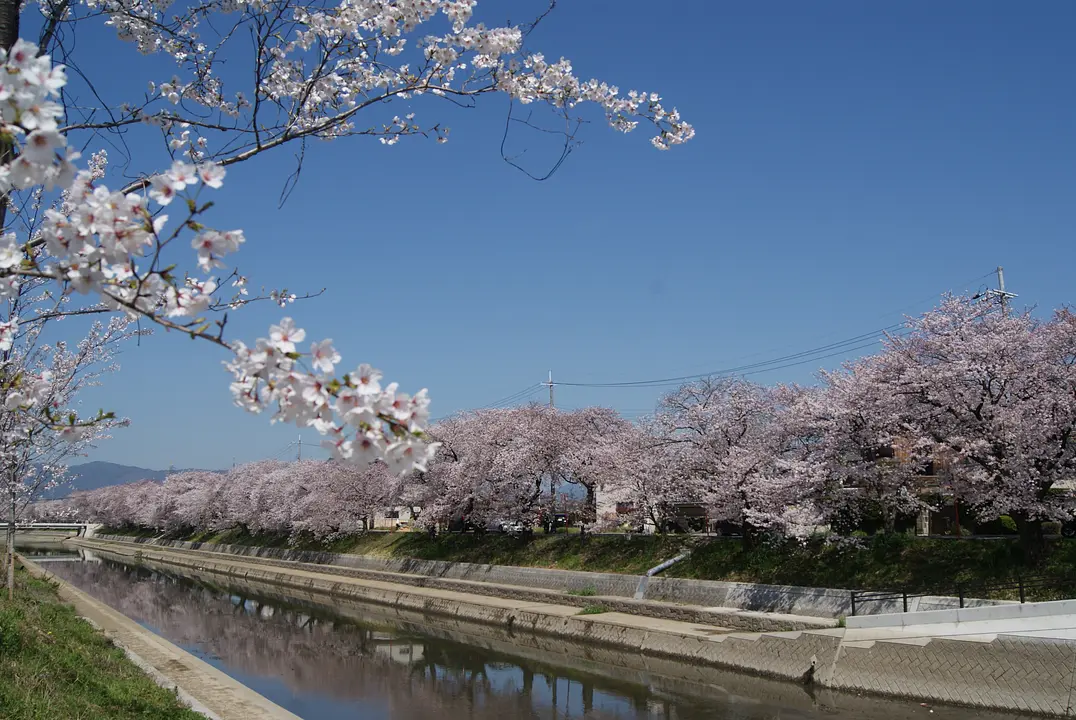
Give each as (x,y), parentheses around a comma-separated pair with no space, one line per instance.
(788,599)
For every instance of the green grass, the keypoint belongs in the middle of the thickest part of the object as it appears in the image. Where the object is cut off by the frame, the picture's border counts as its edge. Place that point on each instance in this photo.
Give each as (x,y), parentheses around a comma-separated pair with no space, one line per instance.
(55,665)
(135,532)
(881,562)
(583,592)
(592,610)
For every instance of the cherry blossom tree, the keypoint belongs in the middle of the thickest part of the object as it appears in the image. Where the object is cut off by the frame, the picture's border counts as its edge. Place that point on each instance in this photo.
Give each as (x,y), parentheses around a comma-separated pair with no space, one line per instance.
(485,470)
(313,498)
(57,511)
(40,427)
(648,479)
(738,454)
(341,499)
(854,428)
(993,392)
(249,76)
(504,465)
(581,448)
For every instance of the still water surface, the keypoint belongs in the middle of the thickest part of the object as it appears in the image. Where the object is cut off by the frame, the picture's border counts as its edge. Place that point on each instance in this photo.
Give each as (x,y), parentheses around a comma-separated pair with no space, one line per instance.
(326,660)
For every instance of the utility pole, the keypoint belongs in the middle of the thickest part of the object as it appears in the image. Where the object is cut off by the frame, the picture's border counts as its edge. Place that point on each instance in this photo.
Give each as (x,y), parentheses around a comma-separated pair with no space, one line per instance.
(551,521)
(1002,296)
(300,454)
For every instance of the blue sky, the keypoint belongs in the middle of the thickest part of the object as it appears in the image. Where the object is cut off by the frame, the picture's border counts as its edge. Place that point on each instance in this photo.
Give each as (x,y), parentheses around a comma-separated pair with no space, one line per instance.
(852,162)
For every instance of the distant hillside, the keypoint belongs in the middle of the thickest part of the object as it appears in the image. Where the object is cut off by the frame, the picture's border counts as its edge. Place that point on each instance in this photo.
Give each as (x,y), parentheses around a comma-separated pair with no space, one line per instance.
(93,475)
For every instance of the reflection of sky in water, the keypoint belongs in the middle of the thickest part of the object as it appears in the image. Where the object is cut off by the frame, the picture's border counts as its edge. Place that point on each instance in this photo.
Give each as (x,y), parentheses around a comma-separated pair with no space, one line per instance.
(302,704)
(324,667)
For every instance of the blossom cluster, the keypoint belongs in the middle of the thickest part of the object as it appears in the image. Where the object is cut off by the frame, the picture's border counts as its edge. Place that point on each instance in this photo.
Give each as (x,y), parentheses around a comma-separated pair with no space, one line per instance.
(362,420)
(31,389)
(334,59)
(106,244)
(315,66)
(28,86)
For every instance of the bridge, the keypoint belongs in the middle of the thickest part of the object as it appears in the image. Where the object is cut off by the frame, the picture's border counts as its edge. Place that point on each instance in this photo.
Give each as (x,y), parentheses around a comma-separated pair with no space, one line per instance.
(78,529)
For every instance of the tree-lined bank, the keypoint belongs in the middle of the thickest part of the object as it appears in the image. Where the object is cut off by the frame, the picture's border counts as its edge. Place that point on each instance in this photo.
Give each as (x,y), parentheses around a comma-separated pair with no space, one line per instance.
(971,403)
(881,562)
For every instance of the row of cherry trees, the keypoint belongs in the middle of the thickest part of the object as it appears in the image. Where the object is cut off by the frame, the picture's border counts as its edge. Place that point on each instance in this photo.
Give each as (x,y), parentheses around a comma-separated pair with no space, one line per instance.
(980,398)
(306,497)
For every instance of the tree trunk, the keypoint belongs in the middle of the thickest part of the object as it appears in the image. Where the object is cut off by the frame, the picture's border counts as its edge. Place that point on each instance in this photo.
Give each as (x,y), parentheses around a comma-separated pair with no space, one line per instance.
(1032,539)
(551,516)
(10,557)
(9,23)
(9,33)
(889,519)
(590,508)
(750,533)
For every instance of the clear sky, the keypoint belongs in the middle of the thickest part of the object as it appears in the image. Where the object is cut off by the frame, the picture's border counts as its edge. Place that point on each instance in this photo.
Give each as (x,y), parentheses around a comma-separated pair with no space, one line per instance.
(852,161)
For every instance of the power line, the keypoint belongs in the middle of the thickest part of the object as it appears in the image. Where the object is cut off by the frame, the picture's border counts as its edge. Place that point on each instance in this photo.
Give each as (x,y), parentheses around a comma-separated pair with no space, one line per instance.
(803,357)
(279,454)
(516,396)
(818,353)
(505,402)
(810,355)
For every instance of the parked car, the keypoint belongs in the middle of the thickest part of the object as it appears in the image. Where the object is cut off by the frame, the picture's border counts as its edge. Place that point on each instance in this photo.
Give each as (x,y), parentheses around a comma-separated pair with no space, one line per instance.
(512,527)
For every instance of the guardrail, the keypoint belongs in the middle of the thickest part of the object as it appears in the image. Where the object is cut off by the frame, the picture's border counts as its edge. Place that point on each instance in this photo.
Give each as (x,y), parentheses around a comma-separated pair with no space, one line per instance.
(963,591)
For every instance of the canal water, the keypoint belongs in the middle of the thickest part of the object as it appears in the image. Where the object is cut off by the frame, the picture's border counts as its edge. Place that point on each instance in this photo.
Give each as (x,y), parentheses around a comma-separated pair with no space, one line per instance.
(324,659)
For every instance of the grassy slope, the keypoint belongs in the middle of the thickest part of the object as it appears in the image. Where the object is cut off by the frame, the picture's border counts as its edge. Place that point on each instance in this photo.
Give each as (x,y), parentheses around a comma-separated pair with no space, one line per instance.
(881,563)
(55,665)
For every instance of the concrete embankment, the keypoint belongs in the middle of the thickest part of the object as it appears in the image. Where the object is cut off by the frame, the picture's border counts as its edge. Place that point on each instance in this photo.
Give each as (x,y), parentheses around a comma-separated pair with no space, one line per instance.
(827,603)
(204,688)
(725,617)
(1019,673)
(712,687)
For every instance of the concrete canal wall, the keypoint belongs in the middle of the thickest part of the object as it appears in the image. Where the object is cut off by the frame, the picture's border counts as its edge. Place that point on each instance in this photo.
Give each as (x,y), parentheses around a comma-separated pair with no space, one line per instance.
(785,599)
(1024,672)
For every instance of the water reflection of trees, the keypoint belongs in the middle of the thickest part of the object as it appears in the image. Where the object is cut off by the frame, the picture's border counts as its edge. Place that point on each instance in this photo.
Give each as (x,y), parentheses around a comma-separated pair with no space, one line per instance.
(415,669)
(316,654)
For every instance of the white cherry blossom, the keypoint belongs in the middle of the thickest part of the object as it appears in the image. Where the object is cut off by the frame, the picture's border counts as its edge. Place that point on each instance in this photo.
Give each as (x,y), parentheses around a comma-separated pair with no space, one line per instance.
(323,356)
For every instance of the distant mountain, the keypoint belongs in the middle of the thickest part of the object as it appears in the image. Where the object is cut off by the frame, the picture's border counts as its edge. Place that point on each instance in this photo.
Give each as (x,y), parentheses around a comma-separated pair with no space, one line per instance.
(93,475)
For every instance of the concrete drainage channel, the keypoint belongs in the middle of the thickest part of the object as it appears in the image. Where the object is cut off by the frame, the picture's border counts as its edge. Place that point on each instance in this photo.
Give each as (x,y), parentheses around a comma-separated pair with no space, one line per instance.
(1024,672)
(644,582)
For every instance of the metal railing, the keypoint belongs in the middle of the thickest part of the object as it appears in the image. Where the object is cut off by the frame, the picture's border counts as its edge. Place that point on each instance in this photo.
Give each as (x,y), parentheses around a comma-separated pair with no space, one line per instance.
(963,591)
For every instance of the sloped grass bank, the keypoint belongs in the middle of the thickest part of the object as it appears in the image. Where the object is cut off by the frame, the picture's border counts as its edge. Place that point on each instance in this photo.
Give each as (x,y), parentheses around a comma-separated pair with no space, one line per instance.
(55,665)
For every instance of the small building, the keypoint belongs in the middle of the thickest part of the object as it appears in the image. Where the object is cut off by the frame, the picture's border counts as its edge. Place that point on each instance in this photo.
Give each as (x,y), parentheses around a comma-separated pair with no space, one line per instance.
(401,517)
